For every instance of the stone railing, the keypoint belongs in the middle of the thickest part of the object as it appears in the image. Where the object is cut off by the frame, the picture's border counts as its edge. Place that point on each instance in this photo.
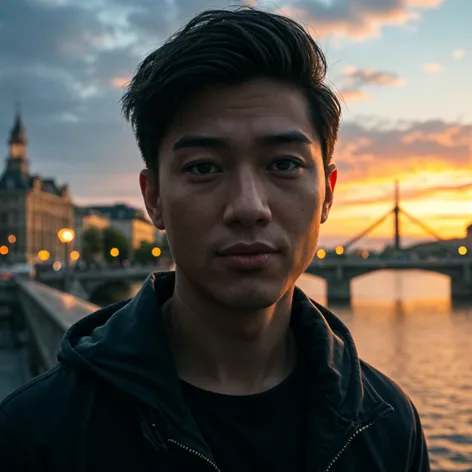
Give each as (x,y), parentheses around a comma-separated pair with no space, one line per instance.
(47,313)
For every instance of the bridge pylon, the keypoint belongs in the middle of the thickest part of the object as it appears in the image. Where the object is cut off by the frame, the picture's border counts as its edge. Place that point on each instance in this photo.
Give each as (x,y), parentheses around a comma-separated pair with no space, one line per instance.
(397,210)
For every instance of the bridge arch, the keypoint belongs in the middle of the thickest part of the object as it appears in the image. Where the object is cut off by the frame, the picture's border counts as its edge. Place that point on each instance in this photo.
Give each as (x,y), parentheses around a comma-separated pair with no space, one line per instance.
(355,273)
(111,292)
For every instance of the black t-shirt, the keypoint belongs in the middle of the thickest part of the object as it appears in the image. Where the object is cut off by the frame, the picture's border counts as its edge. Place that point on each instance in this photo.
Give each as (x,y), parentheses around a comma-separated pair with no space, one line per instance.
(261,432)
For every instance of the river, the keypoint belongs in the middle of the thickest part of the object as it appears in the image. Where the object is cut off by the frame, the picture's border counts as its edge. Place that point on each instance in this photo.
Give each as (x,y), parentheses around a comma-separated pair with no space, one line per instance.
(404,324)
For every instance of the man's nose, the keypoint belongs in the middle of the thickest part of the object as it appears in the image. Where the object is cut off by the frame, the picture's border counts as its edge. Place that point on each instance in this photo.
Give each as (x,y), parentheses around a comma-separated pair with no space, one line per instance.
(247,203)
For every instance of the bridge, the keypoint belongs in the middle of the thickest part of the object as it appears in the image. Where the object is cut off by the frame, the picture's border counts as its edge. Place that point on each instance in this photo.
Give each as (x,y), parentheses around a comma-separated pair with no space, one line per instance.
(338,274)
(33,319)
(87,284)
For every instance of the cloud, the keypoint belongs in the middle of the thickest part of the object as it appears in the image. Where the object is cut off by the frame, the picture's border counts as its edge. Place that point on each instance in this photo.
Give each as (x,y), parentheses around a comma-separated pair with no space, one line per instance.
(362,77)
(355,80)
(434,147)
(433,67)
(356,20)
(120,81)
(410,194)
(47,35)
(458,54)
(352,95)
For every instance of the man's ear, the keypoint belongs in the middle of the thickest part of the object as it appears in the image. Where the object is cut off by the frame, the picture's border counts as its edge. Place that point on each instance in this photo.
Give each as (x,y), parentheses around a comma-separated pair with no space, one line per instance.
(149,184)
(331,179)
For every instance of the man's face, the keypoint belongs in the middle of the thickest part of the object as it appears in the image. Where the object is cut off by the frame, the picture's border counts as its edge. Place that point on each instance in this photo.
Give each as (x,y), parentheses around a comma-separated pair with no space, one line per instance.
(242,191)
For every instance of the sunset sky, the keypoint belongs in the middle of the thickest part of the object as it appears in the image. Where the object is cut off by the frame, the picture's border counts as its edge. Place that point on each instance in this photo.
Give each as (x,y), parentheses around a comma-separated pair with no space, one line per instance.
(403,68)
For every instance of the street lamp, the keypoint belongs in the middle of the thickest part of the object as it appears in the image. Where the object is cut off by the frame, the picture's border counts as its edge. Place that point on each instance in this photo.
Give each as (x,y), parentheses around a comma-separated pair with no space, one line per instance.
(74,255)
(43,255)
(11,241)
(462,250)
(66,236)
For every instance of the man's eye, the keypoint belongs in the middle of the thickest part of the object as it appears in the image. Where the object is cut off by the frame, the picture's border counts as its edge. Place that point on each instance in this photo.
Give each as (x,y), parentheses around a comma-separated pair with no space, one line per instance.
(202,168)
(286,165)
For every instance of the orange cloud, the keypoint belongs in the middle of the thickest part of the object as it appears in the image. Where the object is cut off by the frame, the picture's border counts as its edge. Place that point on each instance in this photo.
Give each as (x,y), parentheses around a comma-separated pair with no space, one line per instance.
(430,144)
(433,67)
(351,95)
(431,159)
(120,81)
(361,20)
(425,3)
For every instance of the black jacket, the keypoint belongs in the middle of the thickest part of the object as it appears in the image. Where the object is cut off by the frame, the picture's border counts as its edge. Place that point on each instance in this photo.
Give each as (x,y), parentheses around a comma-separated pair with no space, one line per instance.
(114,401)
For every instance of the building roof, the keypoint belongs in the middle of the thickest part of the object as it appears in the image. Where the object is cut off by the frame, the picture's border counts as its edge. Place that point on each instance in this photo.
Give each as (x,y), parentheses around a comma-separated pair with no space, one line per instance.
(18,132)
(119,211)
(17,177)
(16,180)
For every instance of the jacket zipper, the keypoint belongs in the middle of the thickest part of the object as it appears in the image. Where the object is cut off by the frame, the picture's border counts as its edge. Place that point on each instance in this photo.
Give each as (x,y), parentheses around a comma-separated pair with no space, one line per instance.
(346,444)
(195,453)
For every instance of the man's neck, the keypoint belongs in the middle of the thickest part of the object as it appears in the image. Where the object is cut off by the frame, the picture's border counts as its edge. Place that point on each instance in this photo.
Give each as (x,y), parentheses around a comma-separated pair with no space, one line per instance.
(228,352)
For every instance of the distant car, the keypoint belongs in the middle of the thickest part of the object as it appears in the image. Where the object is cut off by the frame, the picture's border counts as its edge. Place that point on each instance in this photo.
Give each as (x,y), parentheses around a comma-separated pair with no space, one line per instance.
(23,270)
(5,274)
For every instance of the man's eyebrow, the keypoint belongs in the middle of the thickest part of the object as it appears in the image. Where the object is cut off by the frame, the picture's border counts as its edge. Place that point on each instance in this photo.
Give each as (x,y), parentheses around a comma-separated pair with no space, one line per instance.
(271,139)
(199,141)
(284,137)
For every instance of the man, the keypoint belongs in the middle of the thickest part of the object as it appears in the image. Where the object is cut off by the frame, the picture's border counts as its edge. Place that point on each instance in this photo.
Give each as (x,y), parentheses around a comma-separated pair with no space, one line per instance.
(224,364)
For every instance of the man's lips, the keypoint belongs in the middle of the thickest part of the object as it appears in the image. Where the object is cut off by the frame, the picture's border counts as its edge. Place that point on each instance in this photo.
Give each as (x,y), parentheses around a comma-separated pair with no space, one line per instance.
(248,249)
(248,256)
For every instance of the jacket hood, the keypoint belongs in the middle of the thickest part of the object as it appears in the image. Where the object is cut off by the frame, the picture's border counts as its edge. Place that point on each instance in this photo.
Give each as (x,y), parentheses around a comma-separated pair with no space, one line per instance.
(125,344)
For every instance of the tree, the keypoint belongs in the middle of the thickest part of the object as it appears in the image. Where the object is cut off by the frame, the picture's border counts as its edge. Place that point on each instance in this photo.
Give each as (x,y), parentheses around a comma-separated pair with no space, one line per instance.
(143,254)
(92,243)
(113,238)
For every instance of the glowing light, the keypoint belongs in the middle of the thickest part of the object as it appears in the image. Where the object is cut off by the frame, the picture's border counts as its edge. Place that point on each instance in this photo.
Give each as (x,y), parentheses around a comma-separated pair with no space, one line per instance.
(114,252)
(3,250)
(321,253)
(74,255)
(12,239)
(66,235)
(43,255)
(462,250)
(339,250)
(156,252)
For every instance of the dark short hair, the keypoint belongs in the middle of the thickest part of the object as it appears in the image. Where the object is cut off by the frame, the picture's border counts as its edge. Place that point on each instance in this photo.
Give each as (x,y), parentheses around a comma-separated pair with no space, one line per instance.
(228,47)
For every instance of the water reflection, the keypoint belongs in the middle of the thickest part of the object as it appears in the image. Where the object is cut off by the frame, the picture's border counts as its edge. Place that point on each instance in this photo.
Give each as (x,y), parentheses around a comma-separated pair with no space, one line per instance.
(405,325)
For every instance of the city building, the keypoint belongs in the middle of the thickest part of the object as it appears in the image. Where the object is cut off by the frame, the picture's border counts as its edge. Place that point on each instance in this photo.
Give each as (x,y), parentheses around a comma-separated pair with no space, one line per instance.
(132,222)
(33,209)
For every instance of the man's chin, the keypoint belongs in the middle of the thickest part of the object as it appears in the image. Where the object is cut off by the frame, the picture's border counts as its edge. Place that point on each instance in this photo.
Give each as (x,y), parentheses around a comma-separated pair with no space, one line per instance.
(250,297)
